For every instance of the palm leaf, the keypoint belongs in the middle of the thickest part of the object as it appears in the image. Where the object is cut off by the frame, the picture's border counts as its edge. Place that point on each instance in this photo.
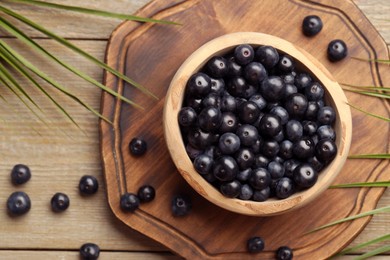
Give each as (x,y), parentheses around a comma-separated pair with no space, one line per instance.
(374,252)
(49,80)
(385,89)
(374,60)
(361,215)
(362,245)
(369,93)
(370,156)
(19,68)
(93,12)
(69,45)
(362,184)
(27,40)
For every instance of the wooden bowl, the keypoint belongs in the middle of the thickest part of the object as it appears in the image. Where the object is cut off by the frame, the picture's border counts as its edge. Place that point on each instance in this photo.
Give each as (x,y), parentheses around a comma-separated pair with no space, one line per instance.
(334,96)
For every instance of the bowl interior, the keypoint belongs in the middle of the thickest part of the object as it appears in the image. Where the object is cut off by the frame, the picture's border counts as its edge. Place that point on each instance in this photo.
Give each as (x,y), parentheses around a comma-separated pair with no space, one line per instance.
(334,96)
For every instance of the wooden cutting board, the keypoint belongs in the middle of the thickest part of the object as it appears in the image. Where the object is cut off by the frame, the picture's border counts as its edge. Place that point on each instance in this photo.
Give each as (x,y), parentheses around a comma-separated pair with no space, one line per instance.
(150,54)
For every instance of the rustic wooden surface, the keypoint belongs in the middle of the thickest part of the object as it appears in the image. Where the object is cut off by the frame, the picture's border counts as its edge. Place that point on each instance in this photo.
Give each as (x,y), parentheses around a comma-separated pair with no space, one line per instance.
(58,160)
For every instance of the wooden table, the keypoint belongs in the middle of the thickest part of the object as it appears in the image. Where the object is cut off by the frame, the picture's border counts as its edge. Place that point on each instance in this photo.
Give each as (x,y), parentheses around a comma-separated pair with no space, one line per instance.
(60,154)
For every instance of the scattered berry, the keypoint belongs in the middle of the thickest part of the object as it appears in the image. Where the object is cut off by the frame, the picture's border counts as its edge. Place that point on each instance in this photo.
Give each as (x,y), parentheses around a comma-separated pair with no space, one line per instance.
(181,205)
(311,25)
(138,146)
(255,245)
(89,251)
(18,203)
(146,193)
(337,50)
(129,202)
(284,253)
(88,185)
(59,202)
(20,174)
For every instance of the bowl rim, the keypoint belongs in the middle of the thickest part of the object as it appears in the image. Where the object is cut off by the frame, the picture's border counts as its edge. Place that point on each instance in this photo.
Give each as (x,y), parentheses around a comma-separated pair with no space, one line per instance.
(173,103)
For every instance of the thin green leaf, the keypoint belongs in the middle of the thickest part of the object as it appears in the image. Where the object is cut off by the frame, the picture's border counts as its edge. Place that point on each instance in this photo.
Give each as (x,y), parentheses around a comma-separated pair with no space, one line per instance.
(50,80)
(94,12)
(17,86)
(27,40)
(4,78)
(384,89)
(362,245)
(370,114)
(380,250)
(370,156)
(77,50)
(362,184)
(14,63)
(361,215)
(368,93)
(375,60)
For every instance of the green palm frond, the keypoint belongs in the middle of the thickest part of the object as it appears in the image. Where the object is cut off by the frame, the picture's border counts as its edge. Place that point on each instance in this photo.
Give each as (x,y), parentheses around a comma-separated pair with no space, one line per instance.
(28,71)
(362,184)
(368,243)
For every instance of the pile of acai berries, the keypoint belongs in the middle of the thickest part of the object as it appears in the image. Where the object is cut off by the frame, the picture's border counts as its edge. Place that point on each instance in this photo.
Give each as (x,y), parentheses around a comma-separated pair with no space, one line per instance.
(254,126)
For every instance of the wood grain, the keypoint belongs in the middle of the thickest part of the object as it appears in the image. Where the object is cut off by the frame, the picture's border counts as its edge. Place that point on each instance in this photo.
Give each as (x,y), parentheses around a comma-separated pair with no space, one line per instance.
(58,160)
(125,173)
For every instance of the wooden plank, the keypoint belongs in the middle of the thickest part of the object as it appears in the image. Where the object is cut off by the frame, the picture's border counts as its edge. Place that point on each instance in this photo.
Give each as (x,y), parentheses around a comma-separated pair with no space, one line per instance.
(67,23)
(74,255)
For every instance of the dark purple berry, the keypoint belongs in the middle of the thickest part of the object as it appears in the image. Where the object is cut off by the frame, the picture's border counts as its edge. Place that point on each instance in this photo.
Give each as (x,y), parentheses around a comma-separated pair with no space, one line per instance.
(259,100)
(229,123)
(303,148)
(270,148)
(248,112)
(312,110)
(255,73)
(199,85)
(229,143)
(268,56)
(59,202)
(272,89)
(296,105)
(237,87)
(255,245)
(203,164)
(146,193)
(270,125)
(326,132)
(275,169)
(212,100)
(284,253)
(286,149)
(234,68)
(231,189)
(20,174)
(209,119)
(246,192)
(326,150)
(138,146)
(225,168)
(187,116)
(337,50)
(88,185)
(89,251)
(248,134)
(244,158)
(286,64)
(261,161)
(261,195)
(326,115)
(305,176)
(284,188)
(244,175)
(281,112)
(217,67)
(199,139)
(314,92)
(181,205)
(311,25)
(18,203)
(217,86)
(309,128)
(293,130)
(129,202)
(260,178)
(244,54)
(289,167)
(302,81)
